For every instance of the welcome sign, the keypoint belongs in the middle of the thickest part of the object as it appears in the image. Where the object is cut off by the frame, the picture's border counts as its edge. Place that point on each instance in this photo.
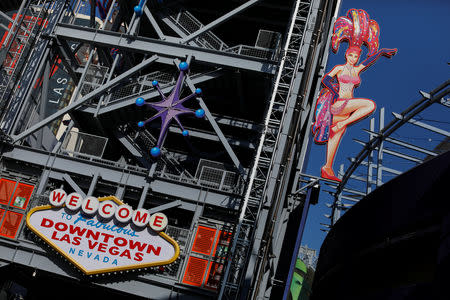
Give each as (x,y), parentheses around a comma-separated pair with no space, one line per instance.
(102,235)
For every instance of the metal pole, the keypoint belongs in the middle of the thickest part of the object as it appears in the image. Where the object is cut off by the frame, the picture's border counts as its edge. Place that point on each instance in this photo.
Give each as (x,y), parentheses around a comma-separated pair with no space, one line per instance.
(370,159)
(298,242)
(380,152)
(14,24)
(257,157)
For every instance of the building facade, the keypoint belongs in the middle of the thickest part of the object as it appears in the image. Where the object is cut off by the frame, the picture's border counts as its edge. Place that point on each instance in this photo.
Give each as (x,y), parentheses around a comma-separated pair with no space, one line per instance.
(81,111)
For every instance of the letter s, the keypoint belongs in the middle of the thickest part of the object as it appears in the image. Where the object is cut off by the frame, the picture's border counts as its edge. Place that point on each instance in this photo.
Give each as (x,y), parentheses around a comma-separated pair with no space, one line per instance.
(138,256)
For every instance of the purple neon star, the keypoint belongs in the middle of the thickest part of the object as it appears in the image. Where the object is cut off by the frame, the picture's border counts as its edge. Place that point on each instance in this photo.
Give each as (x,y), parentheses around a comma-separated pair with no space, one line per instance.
(170,108)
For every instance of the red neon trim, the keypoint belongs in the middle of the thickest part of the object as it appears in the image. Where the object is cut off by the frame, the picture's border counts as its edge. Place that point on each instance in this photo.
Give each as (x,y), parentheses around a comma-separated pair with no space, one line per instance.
(198,239)
(187,273)
(22,190)
(9,189)
(4,229)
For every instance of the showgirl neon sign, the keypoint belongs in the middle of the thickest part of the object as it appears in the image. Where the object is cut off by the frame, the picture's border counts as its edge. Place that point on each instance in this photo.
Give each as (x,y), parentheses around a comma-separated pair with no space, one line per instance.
(337,107)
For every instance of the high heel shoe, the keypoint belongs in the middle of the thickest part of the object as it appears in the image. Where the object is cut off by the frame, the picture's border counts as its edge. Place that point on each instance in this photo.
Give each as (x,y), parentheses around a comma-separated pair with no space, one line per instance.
(326,175)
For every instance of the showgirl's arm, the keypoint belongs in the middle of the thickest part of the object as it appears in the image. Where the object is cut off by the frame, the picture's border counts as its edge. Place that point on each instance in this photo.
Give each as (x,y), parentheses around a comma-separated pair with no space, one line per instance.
(326,80)
(373,58)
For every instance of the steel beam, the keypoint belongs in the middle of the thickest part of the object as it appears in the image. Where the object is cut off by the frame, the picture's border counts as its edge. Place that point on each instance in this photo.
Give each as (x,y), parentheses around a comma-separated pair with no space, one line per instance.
(398,154)
(15,22)
(143,195)
(68,58)
(109,172)
(72,183)
(148,95)
(393,171)
(11,20)
(43,104)
(424,125)
(404,144)
(216,128)
(146,45)
(88,97)
(207,136)
(154,23)
(93,184)
(436,95)
(219,21)
(165,206)
(131,148)
(29,254)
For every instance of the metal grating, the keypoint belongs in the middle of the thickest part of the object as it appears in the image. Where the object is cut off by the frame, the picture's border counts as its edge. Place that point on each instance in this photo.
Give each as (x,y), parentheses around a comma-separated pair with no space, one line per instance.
(84,143)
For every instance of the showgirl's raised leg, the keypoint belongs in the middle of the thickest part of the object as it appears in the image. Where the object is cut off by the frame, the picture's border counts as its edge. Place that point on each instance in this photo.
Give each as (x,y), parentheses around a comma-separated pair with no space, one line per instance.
(357,109)
(332,146)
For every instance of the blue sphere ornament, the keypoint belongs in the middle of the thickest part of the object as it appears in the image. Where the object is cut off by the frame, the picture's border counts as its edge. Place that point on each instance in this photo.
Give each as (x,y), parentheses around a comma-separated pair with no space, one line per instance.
(185,133)
(199,113)
(155,152)
(184,66)
(138,10)
(140,101)
(140,124)
(198,91)
(155,82)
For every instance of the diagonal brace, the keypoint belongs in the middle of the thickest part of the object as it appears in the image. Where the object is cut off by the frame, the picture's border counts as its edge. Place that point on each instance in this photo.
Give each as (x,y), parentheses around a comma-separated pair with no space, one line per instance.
(216,128)
(86,98)
(164,206)
(72,183)
(219,21)
(154,23)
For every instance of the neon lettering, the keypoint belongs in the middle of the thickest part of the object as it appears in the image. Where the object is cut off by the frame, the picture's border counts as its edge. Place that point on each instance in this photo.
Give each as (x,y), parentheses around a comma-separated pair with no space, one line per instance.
(114,250)
(138,256)
(135,244)
(46,223)
(158,221)
(92,234)
(61,226)
(92,244)
(107,237)
(122,243)
(150,249)
(126,253)
(65,238)
(77,230)
(102,247)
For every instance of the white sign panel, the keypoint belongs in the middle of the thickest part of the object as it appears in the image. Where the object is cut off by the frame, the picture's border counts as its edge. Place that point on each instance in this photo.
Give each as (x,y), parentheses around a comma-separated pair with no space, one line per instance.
(98,245)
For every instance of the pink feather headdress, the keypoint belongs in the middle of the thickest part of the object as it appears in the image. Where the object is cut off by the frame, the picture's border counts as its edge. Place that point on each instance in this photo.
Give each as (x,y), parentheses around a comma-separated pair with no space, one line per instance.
(357,29)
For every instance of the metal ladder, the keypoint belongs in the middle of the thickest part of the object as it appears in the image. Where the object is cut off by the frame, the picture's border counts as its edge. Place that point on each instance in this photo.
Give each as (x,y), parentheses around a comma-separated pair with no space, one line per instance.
(256,190)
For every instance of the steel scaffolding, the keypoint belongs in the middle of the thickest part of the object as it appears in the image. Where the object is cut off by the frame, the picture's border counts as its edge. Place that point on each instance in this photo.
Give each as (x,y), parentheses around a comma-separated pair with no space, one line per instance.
(237,171)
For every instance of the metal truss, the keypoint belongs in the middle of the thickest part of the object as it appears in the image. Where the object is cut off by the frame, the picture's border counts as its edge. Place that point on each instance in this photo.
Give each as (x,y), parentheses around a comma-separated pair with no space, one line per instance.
(142,44)
(12,97)
(102,92)
(262,190)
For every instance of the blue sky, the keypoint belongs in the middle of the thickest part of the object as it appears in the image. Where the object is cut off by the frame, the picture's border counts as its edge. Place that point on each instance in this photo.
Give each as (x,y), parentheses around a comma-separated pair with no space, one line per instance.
(419,30)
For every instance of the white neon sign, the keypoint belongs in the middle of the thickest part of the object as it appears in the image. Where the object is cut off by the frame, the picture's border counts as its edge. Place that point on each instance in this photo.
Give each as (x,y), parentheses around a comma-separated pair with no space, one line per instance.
(102,235)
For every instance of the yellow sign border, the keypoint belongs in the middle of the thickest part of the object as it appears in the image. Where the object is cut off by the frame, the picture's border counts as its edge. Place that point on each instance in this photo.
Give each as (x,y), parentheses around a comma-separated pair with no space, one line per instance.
(105,270)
